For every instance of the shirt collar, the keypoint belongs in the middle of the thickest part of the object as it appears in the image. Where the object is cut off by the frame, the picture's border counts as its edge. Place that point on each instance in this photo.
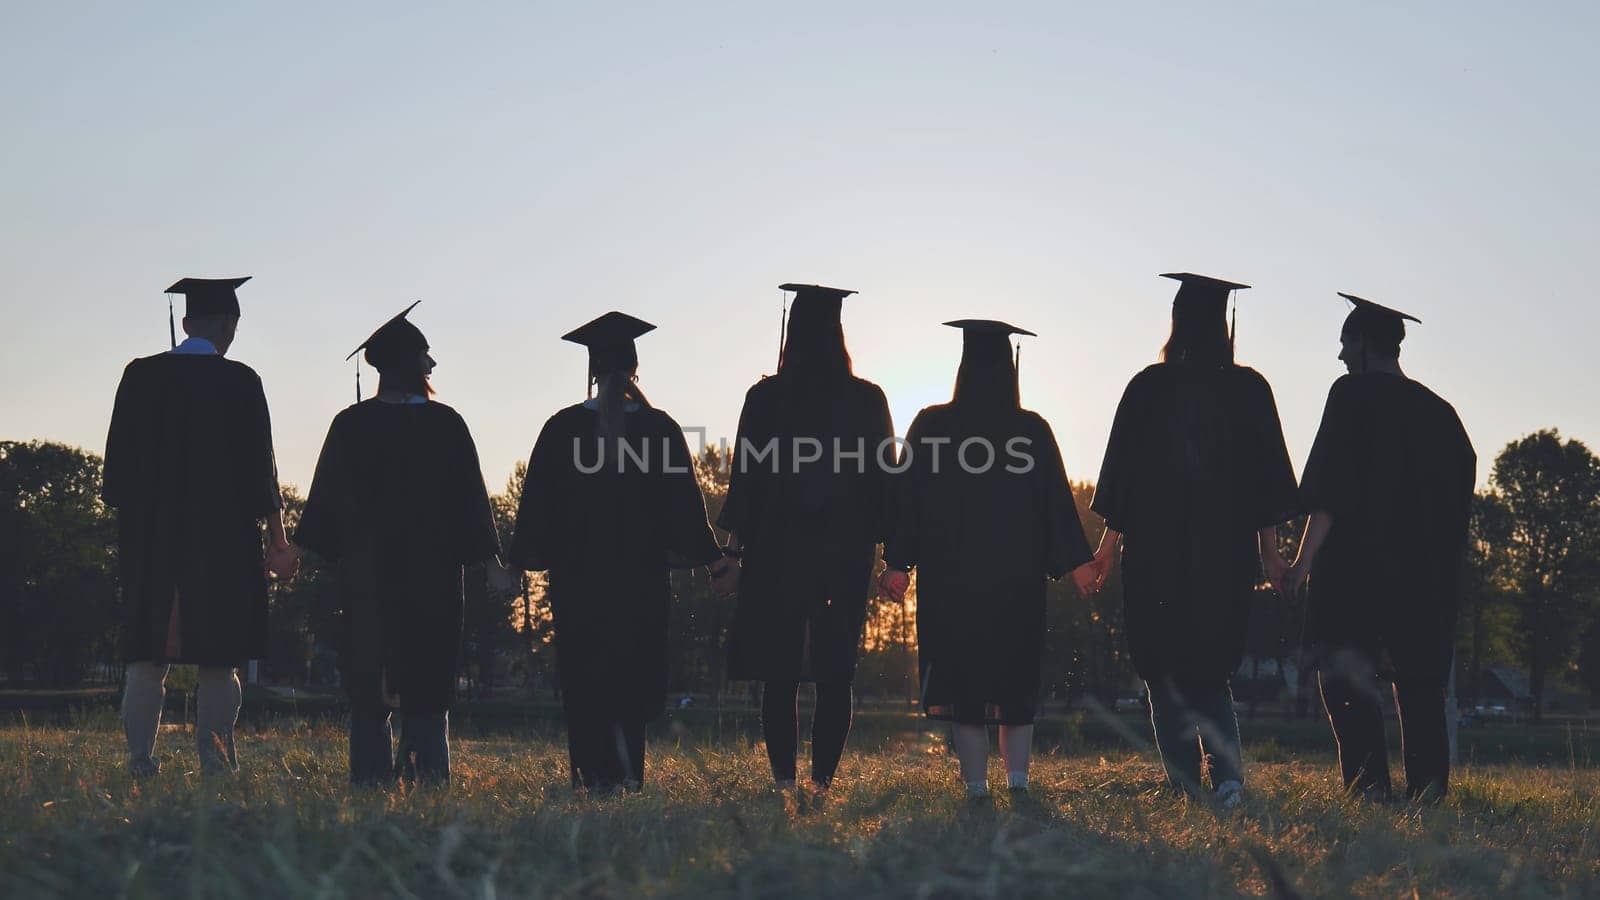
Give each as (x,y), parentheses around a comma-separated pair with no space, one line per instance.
(594,403)
(195,346)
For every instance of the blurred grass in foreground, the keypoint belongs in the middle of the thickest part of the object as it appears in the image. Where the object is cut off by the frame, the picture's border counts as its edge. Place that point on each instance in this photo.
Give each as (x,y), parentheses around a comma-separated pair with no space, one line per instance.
(73,823)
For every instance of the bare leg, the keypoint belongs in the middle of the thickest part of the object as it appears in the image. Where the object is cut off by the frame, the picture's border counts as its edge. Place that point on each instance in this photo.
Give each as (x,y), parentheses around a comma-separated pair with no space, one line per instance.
(972,749)
(142,696)
(216,712)
(1016,747)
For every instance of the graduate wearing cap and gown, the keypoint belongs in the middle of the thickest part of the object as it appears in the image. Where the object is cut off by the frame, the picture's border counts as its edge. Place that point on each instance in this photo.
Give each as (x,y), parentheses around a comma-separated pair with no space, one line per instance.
(808,502)
(1389,484)
(1194,482)
(399,505)
(190,470)
(610,504)
(985,513)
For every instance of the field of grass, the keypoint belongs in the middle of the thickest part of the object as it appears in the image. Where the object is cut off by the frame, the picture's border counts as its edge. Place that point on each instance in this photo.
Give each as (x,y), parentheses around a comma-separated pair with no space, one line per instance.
(72,823)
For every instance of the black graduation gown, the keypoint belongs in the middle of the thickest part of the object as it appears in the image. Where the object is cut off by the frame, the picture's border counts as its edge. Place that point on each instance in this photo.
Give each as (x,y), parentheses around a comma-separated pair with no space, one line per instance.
(809,536)
(1194,467)
(190,470)
(984,544)
(608,540)
(1394,467)
(398,502)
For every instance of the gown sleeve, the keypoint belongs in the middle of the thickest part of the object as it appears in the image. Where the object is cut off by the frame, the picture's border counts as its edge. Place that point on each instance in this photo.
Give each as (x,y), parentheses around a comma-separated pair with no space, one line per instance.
(260,476)
(320,529)
(1276,495)
(479,541)
(881,430)
(738,508)
(900,546)
(117,480)
(1066,546)
(532,539)
(1328,478)
(1114,492)
(690,541)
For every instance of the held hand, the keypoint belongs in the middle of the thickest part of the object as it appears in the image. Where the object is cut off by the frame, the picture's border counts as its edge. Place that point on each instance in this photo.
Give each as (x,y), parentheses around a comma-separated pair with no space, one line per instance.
(1295,579)
(283,561)
(1276,568)
(1087,579)
(1102,565)
(725,577)
(893,584)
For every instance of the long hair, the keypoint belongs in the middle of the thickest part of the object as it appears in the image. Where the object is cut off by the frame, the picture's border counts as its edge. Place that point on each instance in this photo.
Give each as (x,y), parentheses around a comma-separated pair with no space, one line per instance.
(814,350)
(613,373)
(987,378)
(1198,339)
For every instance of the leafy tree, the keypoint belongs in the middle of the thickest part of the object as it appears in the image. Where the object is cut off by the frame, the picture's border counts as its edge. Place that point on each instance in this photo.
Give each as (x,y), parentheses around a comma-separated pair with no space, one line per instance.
(1486,623)
(1551,492)
(57,564)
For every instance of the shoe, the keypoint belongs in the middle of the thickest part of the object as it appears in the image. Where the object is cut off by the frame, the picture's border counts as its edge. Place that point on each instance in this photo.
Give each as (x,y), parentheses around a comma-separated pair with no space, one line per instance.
(1230,794)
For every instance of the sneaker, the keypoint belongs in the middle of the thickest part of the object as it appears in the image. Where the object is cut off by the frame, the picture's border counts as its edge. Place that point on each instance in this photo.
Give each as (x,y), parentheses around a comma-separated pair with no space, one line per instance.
(1230,794)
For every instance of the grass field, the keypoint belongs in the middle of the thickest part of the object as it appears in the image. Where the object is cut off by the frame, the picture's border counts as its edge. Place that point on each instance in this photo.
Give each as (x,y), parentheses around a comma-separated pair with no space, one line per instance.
(73,824)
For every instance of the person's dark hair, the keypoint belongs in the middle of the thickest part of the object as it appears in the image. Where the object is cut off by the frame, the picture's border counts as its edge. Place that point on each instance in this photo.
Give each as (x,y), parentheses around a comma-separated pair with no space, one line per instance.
(987,377)
(612,371)
(1380,334)
(814,348)
(1198,339)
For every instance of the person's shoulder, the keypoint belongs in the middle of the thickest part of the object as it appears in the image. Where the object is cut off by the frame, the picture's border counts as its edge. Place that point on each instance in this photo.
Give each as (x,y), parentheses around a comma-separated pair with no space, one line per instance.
(655,418)
(933,415)
(568,416)
(1247,375)
(864,388)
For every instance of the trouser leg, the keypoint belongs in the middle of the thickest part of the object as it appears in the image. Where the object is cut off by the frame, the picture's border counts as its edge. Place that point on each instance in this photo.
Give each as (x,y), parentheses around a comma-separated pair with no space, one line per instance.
(1219,733)
(972,749)
(371,742)
(1424,738)
(630,747)
(425,746)
(143,694)
(830,728)
(1352,698)
(216,713)
(1176,733)
(780,727)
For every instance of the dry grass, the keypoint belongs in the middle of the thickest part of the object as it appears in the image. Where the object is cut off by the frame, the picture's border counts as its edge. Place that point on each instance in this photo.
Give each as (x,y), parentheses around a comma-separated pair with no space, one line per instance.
(73,824)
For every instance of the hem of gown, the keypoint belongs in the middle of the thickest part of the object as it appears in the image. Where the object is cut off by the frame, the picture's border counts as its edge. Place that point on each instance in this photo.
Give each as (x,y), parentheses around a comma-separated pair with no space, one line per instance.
(992,714)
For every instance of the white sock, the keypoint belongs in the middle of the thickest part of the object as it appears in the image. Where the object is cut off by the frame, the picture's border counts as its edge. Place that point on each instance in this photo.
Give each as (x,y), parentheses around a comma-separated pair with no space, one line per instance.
(978,788)
(1017,781)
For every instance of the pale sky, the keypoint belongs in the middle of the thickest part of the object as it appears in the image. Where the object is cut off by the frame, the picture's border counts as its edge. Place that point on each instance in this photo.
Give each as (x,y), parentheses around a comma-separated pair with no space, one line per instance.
(523,167)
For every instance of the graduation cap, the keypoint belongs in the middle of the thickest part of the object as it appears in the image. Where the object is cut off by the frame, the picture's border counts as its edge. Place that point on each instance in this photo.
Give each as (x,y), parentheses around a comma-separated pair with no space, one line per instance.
(610,341)
(1204,297)
(395,343)
(815,306)
(1377,323)
(203,297)
(988,341)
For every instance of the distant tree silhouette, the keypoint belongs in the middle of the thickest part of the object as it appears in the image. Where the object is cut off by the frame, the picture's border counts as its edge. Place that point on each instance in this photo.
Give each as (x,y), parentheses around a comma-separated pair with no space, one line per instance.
(1550,489)
(57,564)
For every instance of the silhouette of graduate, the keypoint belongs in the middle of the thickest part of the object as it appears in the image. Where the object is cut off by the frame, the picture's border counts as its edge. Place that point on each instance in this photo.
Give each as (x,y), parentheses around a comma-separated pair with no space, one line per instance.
(398,504)
(1389,483)
(189,468)
(985,513)
(1194,483)
(809,515)
(609,505)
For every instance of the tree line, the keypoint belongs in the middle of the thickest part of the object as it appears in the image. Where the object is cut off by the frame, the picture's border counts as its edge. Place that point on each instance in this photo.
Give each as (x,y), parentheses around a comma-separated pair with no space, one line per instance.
(1532,599)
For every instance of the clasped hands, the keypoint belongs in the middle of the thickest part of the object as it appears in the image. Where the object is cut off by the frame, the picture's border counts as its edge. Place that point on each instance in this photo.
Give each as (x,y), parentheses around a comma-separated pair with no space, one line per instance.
(282,561)
(725,577)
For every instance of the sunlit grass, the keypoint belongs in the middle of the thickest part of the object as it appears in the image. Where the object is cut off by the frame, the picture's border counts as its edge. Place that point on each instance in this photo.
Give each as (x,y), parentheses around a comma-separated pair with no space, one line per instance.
(72,823)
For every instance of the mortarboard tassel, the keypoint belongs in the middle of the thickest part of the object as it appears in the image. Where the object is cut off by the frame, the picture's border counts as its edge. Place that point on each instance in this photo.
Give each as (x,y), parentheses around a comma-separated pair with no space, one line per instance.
(172,326)
(1233,326)
(783,325)
(358,381)
(1016,361)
